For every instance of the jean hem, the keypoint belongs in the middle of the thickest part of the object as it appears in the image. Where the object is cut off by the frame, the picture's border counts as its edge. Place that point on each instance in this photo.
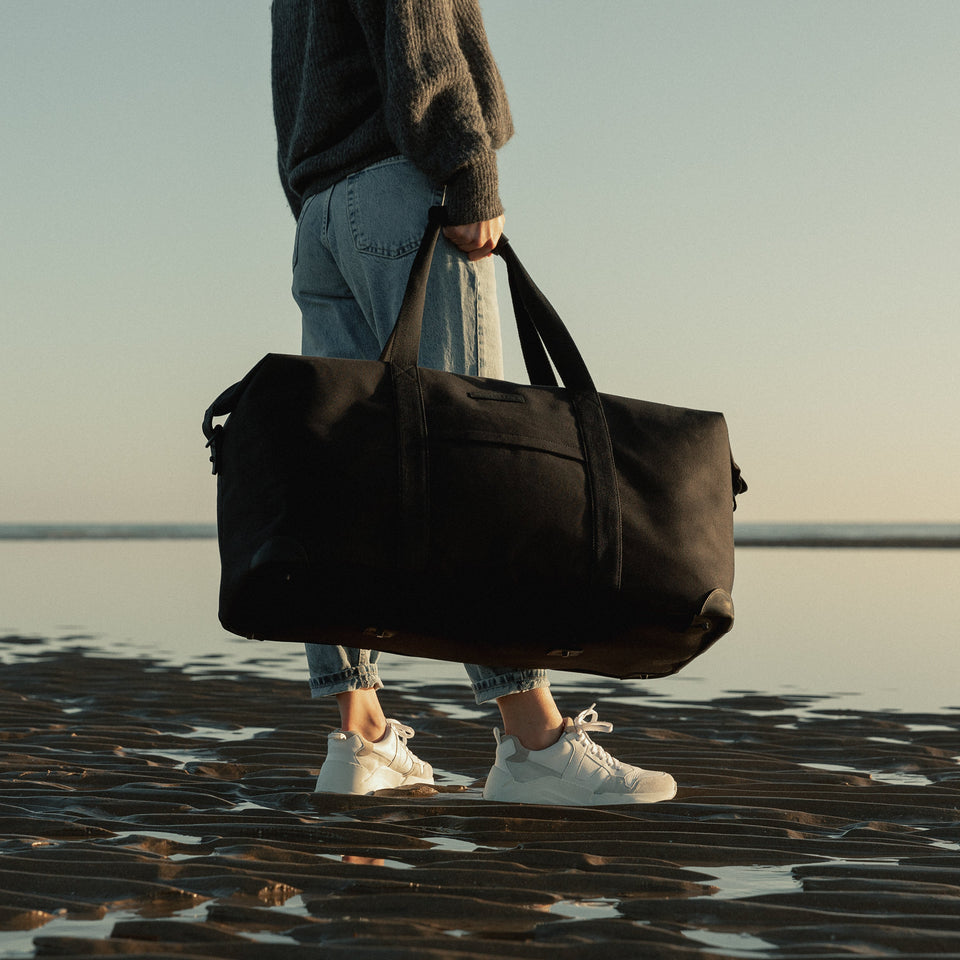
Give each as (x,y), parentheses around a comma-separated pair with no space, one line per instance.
(505,684)
(353,679)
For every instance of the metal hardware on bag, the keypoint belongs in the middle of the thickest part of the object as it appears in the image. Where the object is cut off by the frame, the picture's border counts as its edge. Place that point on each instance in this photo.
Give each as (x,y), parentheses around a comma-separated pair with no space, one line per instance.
(563,652)
(213,445)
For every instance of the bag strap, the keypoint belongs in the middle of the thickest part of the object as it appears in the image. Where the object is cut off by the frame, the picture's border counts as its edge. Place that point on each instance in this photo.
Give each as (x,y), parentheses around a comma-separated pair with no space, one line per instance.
(401,353)
(543,331)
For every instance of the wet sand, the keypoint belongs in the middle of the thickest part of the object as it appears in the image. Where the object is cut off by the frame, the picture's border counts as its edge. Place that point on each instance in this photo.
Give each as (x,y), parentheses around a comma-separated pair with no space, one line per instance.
(148,812)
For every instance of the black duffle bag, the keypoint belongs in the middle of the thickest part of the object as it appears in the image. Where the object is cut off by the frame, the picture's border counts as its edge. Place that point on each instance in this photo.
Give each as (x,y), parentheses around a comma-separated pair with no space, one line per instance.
(380,504)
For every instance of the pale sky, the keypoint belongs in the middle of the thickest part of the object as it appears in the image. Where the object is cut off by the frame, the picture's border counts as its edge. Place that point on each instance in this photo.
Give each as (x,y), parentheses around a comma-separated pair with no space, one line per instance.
(743,206)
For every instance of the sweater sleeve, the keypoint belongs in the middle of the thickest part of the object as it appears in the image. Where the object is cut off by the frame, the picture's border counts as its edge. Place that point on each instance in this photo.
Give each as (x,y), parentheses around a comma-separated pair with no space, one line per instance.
(444,103)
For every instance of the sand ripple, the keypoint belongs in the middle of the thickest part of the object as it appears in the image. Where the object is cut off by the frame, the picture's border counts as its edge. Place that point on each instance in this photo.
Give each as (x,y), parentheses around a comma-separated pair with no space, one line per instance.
(145,812)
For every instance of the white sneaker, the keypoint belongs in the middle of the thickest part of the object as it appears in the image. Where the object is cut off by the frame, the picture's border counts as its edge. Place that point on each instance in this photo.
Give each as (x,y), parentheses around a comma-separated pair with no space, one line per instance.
(575,771)
(355,765)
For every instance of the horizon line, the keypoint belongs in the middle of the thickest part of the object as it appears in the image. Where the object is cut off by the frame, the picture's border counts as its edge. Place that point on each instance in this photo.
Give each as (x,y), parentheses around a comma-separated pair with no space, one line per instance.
(771,533)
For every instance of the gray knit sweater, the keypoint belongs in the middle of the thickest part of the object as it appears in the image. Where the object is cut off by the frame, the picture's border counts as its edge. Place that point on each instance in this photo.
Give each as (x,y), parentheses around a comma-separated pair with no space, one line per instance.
(357,81)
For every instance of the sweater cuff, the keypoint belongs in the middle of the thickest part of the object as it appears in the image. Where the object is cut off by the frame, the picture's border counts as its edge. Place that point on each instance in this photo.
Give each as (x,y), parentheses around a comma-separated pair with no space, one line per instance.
(473,193)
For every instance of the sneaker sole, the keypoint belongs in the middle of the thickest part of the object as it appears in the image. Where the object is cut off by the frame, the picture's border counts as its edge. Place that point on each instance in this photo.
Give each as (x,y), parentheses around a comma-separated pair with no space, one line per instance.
(347,781)
(544,793)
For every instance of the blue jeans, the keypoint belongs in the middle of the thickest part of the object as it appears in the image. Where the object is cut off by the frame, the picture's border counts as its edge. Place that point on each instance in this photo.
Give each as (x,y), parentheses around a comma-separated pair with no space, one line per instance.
(354,247)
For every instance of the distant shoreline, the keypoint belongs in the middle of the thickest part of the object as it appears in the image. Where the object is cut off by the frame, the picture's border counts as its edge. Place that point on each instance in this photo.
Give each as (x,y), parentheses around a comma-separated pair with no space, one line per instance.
(914,536)
(108,531)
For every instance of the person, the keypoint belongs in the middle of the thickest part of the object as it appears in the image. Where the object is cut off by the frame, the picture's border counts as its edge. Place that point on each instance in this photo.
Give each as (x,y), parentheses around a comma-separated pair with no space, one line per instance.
(384,108)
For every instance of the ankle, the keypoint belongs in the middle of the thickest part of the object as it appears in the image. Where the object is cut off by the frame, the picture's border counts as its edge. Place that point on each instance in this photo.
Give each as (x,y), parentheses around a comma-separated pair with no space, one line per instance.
(360,713)
(370,734)
(538,738)
(532,717)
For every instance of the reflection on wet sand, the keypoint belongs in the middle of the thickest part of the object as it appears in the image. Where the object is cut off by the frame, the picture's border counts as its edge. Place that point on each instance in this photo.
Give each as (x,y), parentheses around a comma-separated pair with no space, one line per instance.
(368,861)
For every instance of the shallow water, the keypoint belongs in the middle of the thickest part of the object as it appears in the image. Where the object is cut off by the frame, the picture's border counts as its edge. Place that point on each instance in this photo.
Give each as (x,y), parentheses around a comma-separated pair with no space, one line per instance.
(840,628)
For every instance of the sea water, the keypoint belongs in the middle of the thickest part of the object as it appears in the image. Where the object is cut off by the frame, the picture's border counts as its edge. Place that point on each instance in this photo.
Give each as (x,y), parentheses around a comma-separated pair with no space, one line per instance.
(860,628)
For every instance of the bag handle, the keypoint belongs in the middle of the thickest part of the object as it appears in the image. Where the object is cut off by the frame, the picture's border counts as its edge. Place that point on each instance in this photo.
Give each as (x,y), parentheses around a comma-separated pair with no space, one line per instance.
(535,359)
(538,324)
(542,334)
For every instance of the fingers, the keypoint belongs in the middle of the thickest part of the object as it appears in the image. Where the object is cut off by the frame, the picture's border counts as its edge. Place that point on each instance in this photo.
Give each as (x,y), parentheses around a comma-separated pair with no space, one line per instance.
(476,240)
(481,252)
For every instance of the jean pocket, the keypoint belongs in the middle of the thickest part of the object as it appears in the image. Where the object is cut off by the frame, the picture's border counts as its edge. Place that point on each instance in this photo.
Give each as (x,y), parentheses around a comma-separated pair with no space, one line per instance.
(387,203)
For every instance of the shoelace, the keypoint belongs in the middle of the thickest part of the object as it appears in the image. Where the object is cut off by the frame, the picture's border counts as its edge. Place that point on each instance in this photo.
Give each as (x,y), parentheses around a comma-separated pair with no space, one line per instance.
(400,729)
(403,732)
(585,722)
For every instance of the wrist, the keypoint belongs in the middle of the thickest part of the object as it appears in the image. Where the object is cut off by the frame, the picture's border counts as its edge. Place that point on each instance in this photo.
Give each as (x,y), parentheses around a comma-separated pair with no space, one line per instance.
(472,194)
